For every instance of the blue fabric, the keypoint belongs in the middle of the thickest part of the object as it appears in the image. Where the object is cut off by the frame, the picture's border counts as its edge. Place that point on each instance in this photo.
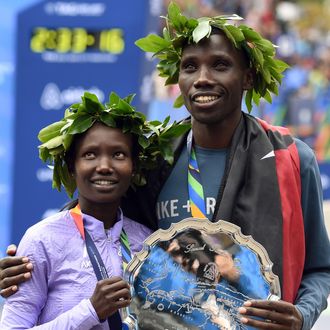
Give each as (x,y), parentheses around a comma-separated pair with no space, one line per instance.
(172,205)
(315,286)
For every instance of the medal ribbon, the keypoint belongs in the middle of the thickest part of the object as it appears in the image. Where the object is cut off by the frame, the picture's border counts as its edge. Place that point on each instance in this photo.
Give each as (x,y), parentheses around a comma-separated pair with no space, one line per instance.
(195,187)
(96,260)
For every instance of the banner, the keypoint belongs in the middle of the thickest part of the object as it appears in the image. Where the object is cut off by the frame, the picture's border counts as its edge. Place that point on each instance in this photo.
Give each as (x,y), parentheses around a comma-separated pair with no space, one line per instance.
(63,49)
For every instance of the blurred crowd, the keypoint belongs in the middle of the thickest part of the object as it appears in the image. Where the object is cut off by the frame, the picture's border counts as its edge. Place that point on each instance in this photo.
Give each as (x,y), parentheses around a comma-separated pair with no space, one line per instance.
(300,29)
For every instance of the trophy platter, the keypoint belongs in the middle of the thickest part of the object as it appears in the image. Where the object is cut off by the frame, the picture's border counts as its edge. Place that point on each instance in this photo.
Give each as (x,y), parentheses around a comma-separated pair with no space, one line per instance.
(195,275)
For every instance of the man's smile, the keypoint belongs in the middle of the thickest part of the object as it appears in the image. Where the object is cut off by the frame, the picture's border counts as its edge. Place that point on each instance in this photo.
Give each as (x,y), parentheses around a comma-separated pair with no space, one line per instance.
(205,98)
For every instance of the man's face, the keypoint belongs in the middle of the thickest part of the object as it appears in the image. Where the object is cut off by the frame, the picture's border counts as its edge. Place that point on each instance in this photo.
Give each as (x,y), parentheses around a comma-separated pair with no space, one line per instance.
(213,75)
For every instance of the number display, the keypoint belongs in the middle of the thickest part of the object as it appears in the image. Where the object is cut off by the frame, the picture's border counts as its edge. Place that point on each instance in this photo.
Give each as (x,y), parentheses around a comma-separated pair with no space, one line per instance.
(77,40)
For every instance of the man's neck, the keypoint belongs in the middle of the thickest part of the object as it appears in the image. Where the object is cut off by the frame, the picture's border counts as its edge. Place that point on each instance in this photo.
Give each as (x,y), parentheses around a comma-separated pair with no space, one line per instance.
(213,136)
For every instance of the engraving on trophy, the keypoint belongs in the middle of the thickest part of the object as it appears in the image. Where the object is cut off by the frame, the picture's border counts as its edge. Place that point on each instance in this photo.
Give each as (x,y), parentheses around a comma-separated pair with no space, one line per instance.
(196,275)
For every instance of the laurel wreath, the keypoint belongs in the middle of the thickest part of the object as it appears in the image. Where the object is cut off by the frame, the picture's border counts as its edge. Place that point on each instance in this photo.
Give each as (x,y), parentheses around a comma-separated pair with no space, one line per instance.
(181,30)
(154,137)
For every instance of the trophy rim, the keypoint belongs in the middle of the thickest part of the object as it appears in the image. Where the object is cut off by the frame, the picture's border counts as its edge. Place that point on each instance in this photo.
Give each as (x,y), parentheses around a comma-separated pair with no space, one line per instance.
(210,228)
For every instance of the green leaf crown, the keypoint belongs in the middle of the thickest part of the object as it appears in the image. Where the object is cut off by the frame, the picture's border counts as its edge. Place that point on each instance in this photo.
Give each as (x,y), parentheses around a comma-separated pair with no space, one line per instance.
(154,137)
(181,30)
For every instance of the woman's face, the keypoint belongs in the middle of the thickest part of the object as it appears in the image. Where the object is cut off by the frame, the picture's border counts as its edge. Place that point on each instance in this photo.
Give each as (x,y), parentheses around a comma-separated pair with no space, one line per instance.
(103,165)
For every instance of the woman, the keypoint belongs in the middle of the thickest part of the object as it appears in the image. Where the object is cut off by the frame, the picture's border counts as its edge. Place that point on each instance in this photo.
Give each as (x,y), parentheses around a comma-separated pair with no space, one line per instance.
(97,150)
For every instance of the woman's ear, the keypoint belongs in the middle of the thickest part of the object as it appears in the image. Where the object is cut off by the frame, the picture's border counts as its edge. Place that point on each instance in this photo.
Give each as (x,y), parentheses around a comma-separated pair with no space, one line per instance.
(248,79)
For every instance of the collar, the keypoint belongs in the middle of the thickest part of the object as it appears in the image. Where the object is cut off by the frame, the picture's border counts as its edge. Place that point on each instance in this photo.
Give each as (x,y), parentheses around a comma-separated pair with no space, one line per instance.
(96,230)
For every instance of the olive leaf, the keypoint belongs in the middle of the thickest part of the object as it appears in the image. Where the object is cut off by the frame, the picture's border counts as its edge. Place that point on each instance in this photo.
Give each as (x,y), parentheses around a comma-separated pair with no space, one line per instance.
(250,34)
(255,97)
(281,65)
(174,15)
(248,100)
(258,56)
(107,119)
(235,32)
(91,103)
(113,99)
(125,108)
(50,131)
(268,97)
(56,151)
(43,153)
(54,142)
(144,142)
(165,122)
(56,174)
(167,152)
(202,30)
(67,179)
(173,131)
(265,46)
(179,101)
(129,99)
(67,140)
(152,43)
(166,34)
(81,124)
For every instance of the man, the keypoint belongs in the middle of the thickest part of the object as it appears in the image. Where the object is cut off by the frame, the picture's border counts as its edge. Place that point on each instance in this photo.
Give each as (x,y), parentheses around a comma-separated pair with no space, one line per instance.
(251,173)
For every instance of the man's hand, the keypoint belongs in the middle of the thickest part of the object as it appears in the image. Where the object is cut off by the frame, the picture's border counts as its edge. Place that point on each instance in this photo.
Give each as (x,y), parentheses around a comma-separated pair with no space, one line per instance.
(271,315)
(110,295)
(13,271)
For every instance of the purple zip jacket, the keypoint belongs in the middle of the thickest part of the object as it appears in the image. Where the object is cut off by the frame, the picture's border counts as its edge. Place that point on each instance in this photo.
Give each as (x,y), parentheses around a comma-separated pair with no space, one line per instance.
(63,279)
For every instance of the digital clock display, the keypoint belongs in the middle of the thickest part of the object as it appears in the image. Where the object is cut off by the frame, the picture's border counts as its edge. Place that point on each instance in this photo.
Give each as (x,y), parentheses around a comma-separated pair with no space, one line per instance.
(77,40)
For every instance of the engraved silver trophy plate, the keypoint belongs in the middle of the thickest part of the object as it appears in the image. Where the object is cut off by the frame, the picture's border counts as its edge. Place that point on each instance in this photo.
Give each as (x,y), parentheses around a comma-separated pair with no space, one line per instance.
(196,275)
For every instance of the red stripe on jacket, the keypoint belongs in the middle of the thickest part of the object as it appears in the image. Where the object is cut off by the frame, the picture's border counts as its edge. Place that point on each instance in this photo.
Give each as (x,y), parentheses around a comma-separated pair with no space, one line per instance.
(288,175)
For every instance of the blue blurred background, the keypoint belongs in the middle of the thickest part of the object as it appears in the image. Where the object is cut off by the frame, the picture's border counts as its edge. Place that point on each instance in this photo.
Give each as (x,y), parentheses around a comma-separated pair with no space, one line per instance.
(51,51)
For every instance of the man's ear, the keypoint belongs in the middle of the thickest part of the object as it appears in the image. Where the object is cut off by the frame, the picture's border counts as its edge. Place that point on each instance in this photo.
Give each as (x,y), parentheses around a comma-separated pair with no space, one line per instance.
(248,79)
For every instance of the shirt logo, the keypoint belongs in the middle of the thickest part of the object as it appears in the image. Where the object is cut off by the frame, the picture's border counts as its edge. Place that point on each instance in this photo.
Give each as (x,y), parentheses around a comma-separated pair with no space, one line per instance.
(269,155)
(86,262)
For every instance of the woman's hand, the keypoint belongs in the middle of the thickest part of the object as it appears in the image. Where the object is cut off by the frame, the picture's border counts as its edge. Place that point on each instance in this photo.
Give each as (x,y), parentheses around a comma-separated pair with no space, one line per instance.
(271,315)
(110,295)
(13,271)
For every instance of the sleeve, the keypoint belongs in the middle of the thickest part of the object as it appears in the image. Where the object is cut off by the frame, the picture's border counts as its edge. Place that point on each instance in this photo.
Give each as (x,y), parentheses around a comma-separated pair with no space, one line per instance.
(315,285)
(82,317)
(22,310)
